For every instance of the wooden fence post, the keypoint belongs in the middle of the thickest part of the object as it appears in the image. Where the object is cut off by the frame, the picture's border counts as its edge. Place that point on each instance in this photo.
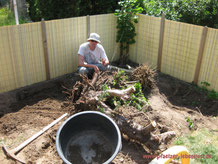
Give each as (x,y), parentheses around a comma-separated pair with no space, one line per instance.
(161,38)
(200,54)
(88,25)
(45,48)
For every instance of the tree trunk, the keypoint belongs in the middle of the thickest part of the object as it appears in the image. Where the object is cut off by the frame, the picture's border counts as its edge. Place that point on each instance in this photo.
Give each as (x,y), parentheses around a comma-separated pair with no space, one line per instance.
(124,56)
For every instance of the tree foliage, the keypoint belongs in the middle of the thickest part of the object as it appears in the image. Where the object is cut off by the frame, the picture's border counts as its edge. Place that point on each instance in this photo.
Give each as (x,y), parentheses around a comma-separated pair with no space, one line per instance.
(199,12)
(57,9)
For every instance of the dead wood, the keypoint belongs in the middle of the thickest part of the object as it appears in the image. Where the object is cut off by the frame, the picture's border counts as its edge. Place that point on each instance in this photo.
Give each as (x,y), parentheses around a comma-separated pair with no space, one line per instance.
(122,94)
(135,131)
(163,138)
(94,79)
(88,83)
(90,98)
(144,75)
(127,126)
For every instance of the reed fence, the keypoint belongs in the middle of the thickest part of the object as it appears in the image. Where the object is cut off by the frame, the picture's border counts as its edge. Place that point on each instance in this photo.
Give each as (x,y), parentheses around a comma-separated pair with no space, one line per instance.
(35,52)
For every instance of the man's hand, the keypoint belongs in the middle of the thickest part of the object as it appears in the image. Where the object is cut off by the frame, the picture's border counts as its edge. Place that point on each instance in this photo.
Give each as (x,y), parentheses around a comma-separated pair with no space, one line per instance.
(104,62)
(96,68)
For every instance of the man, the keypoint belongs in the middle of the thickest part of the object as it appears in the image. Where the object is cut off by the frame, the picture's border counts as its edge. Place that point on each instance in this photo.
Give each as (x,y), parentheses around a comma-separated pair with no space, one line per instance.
(92,56)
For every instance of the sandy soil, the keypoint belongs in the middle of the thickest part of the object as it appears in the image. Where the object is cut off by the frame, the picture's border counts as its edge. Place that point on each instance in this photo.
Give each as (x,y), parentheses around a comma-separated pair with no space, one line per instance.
(26,111)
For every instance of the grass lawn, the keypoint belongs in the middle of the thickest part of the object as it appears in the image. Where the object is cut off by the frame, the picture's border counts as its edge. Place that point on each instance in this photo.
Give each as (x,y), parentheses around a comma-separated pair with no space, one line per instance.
(201,142)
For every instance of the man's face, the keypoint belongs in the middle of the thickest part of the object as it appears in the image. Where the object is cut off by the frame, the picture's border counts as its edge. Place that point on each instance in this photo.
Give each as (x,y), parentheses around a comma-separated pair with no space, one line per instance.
(92,44)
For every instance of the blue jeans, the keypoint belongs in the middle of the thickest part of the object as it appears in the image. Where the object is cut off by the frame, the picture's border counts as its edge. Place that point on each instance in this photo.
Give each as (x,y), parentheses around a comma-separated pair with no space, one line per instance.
(86,70)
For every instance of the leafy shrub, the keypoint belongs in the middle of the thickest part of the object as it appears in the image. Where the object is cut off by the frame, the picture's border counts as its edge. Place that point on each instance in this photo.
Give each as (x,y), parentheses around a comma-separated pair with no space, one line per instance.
(7,17)
(199,12)
(126,17)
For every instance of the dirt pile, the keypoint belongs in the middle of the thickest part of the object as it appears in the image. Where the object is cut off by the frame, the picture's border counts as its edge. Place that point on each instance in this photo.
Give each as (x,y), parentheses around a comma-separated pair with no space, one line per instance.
(170,102)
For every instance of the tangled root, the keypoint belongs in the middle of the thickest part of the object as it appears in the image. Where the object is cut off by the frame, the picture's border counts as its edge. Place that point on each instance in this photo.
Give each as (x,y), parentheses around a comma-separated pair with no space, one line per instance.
(144,75)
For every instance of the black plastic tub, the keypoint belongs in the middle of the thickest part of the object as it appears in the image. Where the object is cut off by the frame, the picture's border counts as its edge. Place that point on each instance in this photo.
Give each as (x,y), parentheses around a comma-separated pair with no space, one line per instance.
(88,137)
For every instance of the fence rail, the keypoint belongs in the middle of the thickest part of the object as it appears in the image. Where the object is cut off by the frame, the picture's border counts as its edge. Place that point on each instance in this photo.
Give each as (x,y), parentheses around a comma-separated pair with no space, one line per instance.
(36,52)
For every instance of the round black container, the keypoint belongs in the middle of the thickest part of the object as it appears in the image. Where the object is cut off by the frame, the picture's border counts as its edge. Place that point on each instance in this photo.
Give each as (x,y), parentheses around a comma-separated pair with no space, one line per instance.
(88,137)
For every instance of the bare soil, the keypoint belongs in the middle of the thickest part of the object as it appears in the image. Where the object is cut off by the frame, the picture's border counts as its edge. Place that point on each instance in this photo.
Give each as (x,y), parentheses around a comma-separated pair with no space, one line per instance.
(26,111)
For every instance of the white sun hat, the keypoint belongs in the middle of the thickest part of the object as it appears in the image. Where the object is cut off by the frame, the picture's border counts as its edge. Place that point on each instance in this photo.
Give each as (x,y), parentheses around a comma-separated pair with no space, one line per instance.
(95,37)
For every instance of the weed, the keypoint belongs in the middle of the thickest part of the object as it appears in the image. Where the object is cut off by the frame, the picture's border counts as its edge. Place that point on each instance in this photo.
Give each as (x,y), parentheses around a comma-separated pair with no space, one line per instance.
(118,77)
(100,109)
(212,94)
(137,98)
(105,87)
(204,86)
(115,102)
(191,124)
(104,96)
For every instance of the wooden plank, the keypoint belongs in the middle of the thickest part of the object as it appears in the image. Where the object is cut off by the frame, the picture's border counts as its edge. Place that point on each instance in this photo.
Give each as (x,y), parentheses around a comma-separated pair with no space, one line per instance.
(200,54)
(161,38)
(88,25)
(45,49)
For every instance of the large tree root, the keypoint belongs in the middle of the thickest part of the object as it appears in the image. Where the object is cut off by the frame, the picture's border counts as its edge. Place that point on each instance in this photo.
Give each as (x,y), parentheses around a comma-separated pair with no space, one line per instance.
(127,126)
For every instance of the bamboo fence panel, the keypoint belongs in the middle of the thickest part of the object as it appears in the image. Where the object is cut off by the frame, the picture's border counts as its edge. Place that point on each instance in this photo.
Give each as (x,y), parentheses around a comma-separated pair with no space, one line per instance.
(147,41)
(64,37)
(105,26)
(209,66)
(21,56)
(24,49)
(180,49)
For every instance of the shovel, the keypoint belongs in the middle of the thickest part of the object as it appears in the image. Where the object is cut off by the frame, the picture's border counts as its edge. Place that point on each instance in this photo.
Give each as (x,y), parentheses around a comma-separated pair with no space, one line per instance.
(12,153)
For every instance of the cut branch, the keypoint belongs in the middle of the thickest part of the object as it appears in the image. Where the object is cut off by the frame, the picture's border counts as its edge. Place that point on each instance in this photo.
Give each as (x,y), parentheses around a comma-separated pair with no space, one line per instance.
(123,94)
(163,137)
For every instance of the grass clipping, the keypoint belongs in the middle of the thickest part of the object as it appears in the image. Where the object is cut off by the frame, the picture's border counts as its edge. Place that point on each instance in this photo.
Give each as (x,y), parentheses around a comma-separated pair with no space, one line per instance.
(145,76)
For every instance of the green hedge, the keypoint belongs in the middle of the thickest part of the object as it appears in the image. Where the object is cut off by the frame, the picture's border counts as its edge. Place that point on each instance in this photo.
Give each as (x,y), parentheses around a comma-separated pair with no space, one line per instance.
(199,12)
(57,9)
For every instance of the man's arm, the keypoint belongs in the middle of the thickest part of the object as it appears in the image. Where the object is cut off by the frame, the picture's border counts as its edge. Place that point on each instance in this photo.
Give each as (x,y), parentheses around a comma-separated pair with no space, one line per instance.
(82,63)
